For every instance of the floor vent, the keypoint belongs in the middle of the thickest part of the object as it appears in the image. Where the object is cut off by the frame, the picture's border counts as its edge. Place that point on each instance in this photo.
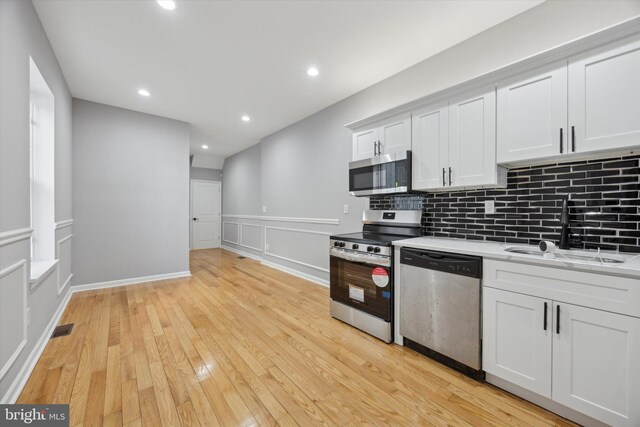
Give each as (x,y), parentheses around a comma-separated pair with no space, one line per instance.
(242,257)
(62,330)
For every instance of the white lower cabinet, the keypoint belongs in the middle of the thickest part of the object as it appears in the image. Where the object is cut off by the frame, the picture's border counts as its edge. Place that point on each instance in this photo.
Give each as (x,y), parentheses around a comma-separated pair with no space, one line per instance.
(516,345)
(596,364)
(583,358)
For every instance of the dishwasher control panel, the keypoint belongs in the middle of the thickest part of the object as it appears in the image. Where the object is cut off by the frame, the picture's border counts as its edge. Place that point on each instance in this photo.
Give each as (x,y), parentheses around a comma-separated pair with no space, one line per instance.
(464,265)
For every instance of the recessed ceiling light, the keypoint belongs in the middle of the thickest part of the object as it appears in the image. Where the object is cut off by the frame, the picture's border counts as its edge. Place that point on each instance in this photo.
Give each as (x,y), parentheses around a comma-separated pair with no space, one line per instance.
(167,4)
(143,92)
(313,71)
(205,146)
(245,118)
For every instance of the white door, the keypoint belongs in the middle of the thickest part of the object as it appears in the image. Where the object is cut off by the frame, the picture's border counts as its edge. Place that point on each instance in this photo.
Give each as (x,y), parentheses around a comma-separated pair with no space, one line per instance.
(532,115)
(395,134)
(430,143)
(517,336)
(205,214)
(364,142)
(596,364)
(604,97)
(472,139)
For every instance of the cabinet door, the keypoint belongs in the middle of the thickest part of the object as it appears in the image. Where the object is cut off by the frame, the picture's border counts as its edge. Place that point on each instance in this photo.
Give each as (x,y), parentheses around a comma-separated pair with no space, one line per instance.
(604,97)
(395,134)
(472,139)
(516,343)
(532,115)
(363,144)
(596,364)
(430,143)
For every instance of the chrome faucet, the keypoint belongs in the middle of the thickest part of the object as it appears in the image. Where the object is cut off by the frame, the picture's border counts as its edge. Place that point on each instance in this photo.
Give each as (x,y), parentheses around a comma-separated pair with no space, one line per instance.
(564,223)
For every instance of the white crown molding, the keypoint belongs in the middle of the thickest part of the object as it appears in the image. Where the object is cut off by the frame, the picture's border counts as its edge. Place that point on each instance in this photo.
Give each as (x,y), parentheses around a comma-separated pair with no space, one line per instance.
(329,221)
(64,224)
(16,235)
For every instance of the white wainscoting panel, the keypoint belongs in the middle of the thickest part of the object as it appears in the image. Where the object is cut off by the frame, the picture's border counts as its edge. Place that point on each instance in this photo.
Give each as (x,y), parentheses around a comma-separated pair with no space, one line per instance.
(63,253)
(231,232)
(13,313)
(285,243)
(251,236)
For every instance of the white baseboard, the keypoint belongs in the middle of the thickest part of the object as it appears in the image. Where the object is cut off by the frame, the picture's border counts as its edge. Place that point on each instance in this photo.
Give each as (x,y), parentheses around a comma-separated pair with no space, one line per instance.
(297,273)
(239,252)
(309,277)
(21,379)
(130,281)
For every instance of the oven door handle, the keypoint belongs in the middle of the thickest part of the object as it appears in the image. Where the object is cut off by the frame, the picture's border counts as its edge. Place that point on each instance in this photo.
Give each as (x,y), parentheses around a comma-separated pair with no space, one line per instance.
(363,259)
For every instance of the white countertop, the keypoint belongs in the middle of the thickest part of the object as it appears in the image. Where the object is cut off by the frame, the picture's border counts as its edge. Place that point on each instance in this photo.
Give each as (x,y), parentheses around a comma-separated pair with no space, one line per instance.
(492,250)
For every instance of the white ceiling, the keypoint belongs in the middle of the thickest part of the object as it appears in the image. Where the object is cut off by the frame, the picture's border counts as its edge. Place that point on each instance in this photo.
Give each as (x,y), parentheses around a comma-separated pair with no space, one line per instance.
(210,62)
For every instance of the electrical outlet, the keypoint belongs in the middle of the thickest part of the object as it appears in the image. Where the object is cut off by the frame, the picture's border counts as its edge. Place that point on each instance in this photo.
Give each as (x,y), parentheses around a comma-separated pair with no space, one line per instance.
(264,209)
(346,209)
(489,206)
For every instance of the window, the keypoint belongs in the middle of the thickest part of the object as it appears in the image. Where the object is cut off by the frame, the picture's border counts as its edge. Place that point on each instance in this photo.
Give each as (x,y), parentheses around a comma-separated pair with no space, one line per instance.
(42,161)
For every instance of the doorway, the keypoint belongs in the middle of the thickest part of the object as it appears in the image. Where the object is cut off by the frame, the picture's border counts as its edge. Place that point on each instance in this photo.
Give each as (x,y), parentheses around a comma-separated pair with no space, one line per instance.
(205,215)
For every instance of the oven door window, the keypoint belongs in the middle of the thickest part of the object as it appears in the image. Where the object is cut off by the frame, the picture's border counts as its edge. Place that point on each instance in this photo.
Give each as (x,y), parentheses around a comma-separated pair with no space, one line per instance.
(363,286)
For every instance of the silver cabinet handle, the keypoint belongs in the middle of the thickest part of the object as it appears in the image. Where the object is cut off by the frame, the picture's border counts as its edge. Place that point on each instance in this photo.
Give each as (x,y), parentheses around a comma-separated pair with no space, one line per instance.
(449,176)
(379,148)
(375,148)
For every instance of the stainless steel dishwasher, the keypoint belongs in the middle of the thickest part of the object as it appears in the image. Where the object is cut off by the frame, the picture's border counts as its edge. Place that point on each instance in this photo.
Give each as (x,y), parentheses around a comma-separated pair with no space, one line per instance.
(440,307)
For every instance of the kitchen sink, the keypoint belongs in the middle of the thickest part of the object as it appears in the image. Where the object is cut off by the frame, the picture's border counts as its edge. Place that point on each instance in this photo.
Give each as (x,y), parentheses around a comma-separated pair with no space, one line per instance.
(581,256)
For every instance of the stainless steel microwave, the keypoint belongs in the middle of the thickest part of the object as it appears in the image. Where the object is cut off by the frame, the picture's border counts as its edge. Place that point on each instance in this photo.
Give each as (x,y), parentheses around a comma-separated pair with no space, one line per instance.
(384,174)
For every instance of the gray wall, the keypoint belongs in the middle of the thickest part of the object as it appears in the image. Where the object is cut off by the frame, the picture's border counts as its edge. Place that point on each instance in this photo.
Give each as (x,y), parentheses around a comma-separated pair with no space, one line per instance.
(131,194)
(21,36)
(303,168)
(205,174)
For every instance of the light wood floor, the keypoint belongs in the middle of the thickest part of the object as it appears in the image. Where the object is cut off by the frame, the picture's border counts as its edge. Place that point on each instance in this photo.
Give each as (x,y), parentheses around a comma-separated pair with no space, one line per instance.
(239,343)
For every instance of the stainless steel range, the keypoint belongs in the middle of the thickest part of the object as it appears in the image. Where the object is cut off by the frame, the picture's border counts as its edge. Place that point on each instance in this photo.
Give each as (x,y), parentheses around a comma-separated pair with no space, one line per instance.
(361,270)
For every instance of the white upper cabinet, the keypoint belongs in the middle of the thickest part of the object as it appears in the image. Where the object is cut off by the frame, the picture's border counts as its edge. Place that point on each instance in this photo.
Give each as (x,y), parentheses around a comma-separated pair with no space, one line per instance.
(395,135)
(604,97)
(364,143)
(596,364)
(454,143)
(532,114)
(430,127)
(388,136)
(517,333)
(472,139)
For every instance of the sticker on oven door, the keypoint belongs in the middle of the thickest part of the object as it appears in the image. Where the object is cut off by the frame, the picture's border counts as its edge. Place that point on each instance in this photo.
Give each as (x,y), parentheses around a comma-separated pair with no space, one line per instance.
(380,277)
(356,293)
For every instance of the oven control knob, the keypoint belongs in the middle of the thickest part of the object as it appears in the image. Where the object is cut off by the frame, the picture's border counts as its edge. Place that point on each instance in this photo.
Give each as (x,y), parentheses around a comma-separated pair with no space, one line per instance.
(336,243)
(354,246)
(342,244)
(369,248)
(376,249)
